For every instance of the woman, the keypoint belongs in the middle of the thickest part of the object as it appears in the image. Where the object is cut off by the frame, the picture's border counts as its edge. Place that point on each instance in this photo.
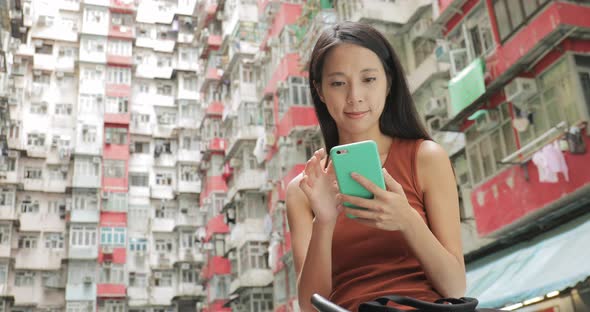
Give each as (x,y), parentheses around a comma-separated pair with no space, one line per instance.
(408,242)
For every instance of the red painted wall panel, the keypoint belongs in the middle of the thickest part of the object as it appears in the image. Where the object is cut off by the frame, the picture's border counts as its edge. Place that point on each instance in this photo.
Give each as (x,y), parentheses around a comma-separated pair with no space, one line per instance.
(109,218)
(297,116)
(289,66)
(516,197)
(216,225)
(213,184)
(111,290)
(119,255)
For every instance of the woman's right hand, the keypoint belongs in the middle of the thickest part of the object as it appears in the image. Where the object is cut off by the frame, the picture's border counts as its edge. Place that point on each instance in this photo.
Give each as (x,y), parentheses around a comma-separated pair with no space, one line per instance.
(321,188)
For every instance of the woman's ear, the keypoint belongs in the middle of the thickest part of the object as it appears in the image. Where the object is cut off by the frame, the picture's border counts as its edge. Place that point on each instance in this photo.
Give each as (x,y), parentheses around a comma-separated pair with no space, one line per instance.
(318,89)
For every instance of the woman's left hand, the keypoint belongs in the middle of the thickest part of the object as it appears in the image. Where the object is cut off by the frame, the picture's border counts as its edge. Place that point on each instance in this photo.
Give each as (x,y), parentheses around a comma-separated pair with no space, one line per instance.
(388,210)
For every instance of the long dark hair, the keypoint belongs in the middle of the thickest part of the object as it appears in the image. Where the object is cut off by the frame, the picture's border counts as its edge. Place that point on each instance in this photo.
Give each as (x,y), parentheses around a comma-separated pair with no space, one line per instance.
(399,117)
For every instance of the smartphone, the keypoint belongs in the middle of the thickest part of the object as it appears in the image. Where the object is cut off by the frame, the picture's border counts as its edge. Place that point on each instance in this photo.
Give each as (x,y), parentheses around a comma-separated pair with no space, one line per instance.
(362,158)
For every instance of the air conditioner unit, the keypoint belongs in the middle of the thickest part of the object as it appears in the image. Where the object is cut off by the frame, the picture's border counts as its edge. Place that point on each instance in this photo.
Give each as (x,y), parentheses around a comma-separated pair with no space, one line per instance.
(235,162)
(104,195)
(132,148)
(96,160)
(282,85)
(219,16)
(13,154)
(185,266)
(436,105)
(420,27)
(487,121)
(157,274)
(38,43)
(36,72)
(88,279)
(107,139)
(59,74)
(520,89)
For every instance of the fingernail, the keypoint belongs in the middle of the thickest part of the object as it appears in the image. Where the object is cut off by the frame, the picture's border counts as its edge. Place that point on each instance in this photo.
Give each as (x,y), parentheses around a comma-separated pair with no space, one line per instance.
(354,174)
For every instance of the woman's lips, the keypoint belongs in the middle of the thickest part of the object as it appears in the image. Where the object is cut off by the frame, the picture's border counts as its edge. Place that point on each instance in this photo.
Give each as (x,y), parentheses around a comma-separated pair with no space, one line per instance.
(355,115)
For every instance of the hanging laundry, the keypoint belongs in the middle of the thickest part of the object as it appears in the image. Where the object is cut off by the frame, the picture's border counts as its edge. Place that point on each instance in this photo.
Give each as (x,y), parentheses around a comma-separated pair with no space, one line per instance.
(550,162)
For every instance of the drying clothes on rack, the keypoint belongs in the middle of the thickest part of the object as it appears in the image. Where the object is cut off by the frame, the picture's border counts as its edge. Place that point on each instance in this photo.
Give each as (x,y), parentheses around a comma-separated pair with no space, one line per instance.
(550,162)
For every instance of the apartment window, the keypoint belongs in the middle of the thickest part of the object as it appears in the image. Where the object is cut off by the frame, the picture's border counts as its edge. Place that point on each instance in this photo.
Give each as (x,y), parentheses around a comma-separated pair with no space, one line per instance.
(93,16)
(252,207)
(479,31)
(54,240)
(120,47)
(163,279)
(119,75)
(189,173)
(164,245)
(164,89)
(79,306)
(114,168)
(85,202)
(24,279)
(6,197)
(39,108)
(164,61)
(137,244)
(4,235)
(249,114)
(165,212)
(190,84)
(63,109)
(247,74)
(27,242)
(187,240)
(115,135)
(167,118)
(57,173)
(112,236)
(163,147)
(44,49)
(33,173)
(3,273)
(139,179)
(138,214)
(90,103)
(114,274)
(261,301)
(116,201)
(36,139)
(66,52)
(137,280)
(87,168)
(220,287)
(189,276)
(512,14)
(94,46)
(253,255)
(164,179)
(83,236)
(117,105)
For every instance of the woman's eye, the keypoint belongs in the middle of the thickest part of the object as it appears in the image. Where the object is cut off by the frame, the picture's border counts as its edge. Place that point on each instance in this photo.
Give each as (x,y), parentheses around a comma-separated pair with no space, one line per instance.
(370,79)
(337,83)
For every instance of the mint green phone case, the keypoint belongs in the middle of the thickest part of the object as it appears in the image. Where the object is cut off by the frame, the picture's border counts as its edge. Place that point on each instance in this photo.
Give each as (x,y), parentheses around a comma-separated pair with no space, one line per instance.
(362,158)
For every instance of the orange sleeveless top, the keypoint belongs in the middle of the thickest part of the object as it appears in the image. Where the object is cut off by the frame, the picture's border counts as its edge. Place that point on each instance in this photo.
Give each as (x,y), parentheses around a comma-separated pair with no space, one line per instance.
(368,263)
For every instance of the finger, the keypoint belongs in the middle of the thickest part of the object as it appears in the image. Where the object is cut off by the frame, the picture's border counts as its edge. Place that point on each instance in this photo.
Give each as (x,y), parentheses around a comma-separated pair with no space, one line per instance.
(316,167)
(358,201)
(371,223)
(330,170)
(308,167)
(366,183)
(304,186)
(392,184)
(361,214)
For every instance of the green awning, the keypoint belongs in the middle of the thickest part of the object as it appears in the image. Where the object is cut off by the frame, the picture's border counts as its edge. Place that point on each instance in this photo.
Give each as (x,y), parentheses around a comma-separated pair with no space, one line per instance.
(477,114)
(467,86)
(553,261)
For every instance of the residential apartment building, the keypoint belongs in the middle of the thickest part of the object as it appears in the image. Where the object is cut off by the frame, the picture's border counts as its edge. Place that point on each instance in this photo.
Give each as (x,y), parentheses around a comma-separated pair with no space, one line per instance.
(146,145)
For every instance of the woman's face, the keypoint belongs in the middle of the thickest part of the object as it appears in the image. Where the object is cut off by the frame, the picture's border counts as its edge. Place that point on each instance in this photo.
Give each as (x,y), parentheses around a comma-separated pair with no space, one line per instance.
(354,88)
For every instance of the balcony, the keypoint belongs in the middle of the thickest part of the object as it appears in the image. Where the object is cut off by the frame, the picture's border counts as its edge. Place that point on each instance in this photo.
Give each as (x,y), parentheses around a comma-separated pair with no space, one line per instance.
(65,65)
(162,260)
(84,216)
(38,259)
(163,225)
(111,290)
(189,156)
(216,265)
(190,255)
(138,296)
(190,290)
(36,151)
(122,6)
(244,133)
(215,109)
(153,72)
(427,71)
(121,60)
(45,62)
(190,219)
(81,292)
(246,179)
(211,42)
(189,186)
(162,192)
(27,295)
(117,118)
(165,159)
(35,222)
(252,278)
(216,225)
(5,251)
(83,253)
(161,296)
(248,230)
(122,31)
(34,185)
(56,186)
(8,177)
(289,66)
(153,99)
(206,12)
